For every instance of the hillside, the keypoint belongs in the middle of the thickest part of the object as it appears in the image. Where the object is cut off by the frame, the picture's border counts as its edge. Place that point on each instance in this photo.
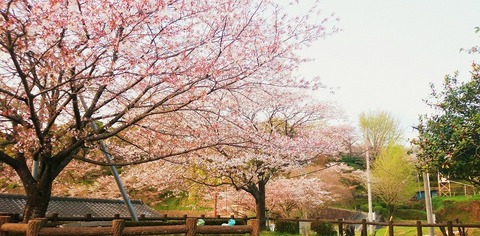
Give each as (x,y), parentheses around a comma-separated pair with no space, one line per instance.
(465,209)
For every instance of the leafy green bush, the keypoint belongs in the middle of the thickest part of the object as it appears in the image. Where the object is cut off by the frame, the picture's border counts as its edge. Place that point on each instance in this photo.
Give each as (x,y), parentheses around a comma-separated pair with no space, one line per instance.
(323,228)
(349,230)
(285,226)
(380,210)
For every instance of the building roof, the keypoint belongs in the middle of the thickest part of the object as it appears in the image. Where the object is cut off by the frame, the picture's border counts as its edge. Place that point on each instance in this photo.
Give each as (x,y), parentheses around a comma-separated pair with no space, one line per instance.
(77,207)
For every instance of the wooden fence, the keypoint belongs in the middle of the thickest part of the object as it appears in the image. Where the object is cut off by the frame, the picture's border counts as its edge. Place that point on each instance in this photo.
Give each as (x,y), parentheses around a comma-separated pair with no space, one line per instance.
(37,227)
(88,217)
(448,229)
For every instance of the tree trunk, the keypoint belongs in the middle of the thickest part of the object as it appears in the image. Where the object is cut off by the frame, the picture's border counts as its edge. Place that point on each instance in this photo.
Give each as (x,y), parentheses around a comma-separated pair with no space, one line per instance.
(38,191)
(36,205)
(38,198)
(258,192)
(260,205)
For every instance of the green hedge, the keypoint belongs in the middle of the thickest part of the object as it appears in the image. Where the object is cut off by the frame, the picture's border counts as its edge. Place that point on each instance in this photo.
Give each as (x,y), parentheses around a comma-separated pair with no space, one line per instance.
(285,226)
(323,228)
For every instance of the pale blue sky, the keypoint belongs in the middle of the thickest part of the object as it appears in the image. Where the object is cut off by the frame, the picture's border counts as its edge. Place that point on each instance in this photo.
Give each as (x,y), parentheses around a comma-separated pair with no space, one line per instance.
(389,51)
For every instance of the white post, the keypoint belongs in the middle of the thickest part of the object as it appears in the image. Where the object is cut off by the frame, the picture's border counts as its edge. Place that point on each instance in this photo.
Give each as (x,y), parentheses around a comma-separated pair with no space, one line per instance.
(428,202)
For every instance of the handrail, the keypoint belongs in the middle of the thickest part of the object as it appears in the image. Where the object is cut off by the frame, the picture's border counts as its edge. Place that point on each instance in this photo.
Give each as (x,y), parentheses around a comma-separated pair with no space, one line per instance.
(36,227)
(449,225)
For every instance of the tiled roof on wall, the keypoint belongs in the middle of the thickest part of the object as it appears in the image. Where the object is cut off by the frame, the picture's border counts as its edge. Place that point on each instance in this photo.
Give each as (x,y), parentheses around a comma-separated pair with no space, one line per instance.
(77,207)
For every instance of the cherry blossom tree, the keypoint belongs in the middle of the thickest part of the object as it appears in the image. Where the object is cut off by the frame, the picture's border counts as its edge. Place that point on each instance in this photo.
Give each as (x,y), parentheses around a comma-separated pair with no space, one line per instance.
(147,181)
(284,197)
(135,74)
(272,135)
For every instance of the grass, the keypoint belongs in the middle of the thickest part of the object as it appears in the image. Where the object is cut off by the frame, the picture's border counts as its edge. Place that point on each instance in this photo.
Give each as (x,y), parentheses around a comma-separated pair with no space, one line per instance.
(179,206)
(409,214)
(438,202)
(171,204)
(270,233)
(401,230)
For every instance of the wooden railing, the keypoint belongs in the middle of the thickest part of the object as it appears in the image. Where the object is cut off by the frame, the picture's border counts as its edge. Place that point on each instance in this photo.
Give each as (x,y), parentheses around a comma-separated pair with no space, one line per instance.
(89,217)
(37,227)
(448,228)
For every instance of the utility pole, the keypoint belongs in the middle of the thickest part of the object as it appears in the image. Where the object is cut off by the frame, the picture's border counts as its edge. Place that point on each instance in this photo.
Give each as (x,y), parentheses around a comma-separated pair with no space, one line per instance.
(428,202)
(369,193)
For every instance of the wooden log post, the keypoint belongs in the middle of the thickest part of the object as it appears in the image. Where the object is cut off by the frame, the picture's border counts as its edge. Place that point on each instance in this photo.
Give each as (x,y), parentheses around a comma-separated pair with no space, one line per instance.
(364,227)
(34,226)
(297,223)
(88,217)
(461,230)
(450,228)
(55,218)
(117,227)
(419,228)
(255,224)
(191,226)
(390,228)
(3,220)
(340,226)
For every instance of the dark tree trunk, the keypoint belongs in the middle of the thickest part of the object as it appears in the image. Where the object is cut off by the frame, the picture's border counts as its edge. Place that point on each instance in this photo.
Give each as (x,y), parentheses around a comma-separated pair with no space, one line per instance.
(261,204)
(38,198)
(258,192)
(38,190)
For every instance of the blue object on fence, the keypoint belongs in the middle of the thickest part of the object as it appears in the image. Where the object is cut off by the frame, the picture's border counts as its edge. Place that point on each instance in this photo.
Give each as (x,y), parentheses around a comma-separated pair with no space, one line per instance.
(200,222)
(231,222)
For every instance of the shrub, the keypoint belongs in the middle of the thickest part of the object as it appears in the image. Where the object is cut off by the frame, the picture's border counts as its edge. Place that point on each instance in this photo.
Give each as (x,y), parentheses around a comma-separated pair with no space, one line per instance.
(323,228)
(285,226)
(349,230)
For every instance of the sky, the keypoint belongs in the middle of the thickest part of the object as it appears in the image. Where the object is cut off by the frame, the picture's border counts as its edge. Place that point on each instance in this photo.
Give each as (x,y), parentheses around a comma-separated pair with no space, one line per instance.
(388,52)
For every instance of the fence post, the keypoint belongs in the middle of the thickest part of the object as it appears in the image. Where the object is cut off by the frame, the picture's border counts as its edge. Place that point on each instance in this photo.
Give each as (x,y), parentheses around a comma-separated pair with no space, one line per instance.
(390,228)
(297,222)
(54,218)
(34,226)
(450,228)
(340,226)
(255,224)
(364,227)
(191,226)
(117,227)
(3,220)
(461,229)
(419,228)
